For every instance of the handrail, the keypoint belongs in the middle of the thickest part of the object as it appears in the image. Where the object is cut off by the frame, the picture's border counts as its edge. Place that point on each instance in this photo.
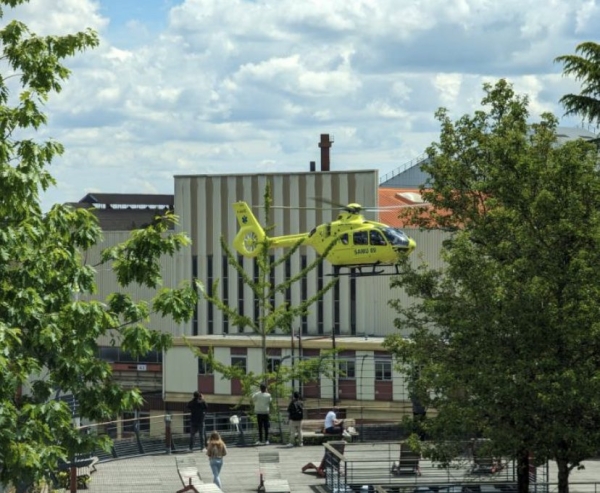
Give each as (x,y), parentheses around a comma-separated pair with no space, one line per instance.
(403,168)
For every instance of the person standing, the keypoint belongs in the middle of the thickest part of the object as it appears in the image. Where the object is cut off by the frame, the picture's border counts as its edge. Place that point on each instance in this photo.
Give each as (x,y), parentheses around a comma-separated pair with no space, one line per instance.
(295,415)
(216,450)
(262,408)
(198,409)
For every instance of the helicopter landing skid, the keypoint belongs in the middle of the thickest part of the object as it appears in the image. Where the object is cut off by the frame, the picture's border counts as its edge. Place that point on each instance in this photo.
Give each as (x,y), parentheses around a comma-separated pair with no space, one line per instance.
(371,271)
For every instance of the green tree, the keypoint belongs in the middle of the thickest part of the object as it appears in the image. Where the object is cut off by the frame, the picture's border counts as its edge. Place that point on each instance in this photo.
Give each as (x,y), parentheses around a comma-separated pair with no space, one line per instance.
(505,336)
(48,332)
(272,315)
(585,67)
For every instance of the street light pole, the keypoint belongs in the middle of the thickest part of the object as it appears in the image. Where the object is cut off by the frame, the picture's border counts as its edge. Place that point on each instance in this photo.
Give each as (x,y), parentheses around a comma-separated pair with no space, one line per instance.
(277,393)
(335,368)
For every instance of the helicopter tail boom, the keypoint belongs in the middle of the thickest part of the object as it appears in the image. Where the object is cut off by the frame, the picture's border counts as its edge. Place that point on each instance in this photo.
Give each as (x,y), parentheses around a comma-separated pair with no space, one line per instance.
(251,233)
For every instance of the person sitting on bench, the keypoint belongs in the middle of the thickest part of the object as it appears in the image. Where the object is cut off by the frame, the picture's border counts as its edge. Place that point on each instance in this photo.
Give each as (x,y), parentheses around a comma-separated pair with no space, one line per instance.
(334,426)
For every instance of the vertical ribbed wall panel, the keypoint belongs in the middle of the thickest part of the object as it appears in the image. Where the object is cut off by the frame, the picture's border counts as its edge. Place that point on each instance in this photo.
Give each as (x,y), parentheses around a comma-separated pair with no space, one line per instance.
(107,283)
(374,293)
(209,214)
(293,219)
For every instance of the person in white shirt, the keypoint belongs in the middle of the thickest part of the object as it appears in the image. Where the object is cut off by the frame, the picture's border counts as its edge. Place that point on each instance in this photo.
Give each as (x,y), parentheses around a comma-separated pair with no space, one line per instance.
(262,408)
(334,426)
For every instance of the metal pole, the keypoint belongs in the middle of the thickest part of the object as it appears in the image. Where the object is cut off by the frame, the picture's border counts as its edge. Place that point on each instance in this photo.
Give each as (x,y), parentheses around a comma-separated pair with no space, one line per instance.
(277,380)
(168,433)
(335,368)
(293,344)
(362,406)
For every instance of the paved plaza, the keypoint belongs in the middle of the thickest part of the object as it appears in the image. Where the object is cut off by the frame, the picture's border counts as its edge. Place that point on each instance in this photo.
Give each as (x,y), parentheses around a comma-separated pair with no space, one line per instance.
(158,473)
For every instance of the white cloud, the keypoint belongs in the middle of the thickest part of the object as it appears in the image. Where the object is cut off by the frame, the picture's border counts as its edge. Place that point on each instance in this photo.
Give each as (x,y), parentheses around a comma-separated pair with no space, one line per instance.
(238,85)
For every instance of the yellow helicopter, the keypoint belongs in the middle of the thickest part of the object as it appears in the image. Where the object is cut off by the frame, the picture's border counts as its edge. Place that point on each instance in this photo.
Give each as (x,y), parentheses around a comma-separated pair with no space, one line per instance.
(358,242)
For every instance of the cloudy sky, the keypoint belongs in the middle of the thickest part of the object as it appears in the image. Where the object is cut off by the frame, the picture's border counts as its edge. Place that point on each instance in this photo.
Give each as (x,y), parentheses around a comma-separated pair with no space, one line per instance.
(229,86)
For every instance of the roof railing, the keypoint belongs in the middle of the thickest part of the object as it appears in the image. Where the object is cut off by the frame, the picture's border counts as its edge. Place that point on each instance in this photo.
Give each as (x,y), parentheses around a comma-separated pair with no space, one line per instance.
(403,168)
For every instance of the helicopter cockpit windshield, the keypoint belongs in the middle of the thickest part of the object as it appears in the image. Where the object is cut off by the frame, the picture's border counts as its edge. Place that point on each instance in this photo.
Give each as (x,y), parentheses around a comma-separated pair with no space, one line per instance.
(396,237)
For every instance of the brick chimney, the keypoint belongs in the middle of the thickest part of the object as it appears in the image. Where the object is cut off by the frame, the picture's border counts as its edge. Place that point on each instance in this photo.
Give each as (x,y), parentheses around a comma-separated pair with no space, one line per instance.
(325,145)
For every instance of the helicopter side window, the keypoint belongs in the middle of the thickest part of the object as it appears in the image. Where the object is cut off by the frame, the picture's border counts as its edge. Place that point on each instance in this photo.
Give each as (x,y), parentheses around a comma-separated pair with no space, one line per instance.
(361,238)
(376,238)
(344,239)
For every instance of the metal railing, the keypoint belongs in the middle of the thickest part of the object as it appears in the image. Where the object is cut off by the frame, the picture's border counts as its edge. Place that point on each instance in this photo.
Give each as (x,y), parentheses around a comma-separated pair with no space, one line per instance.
(403,168)
(380,467)
(168,433)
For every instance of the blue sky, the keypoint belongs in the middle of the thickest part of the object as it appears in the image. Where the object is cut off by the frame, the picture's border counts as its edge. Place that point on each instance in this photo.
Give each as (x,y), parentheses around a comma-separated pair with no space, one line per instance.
(231,86)
(153,14)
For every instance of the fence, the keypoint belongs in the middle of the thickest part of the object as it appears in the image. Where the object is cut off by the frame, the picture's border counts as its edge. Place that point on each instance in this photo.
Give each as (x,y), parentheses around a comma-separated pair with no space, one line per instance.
(168,433)
(380,467)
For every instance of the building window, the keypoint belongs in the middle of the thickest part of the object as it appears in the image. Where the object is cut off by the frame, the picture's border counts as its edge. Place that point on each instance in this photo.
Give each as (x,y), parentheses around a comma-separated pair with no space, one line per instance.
(273,364)
(303,294)
(239,361)
(204,367)
(114,354)
(347,369)
(383,370)
(320,304)
(195,276)
(240,287)
(225,290)
(209,283)
(255,277)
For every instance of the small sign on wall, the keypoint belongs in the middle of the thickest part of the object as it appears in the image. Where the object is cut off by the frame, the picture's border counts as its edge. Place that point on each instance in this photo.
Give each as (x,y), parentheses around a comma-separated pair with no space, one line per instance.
(142,368)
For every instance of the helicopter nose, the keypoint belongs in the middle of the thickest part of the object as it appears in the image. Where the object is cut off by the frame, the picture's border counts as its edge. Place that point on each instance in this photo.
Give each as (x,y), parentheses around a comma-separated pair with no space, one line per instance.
(412,244)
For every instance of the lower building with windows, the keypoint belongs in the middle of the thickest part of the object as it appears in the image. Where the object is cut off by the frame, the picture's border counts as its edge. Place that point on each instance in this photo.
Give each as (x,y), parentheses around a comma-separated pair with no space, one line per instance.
(366,385)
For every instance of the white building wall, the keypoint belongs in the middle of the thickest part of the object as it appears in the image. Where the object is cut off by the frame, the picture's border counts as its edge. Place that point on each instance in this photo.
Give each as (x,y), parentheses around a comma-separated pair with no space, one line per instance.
(254,361)
(399,386)
(180,370)
(222,385)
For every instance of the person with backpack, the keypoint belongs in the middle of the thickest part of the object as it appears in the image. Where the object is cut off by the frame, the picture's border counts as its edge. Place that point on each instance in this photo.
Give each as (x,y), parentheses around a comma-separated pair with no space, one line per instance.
(198,409)
(296,414)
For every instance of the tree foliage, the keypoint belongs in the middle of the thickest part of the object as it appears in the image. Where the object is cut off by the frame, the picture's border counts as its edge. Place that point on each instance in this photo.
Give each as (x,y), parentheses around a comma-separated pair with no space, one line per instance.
(585,67)
(273,314)
(505,337)
(48,332)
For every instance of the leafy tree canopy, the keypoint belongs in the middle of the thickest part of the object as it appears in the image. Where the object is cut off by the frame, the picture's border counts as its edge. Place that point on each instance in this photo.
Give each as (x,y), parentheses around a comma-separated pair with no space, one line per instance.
(585,67)
(48,332)
(504,338)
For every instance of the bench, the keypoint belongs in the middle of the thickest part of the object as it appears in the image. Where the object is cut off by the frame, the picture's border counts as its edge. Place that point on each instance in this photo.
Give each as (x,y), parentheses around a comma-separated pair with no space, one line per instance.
(313,428)
(408,462)
(270,475)
(190,477)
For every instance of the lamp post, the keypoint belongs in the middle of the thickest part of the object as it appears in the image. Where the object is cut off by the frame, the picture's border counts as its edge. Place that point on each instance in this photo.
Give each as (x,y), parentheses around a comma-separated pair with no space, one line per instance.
(168,418)
(335,368)
(362,364)
(277,393)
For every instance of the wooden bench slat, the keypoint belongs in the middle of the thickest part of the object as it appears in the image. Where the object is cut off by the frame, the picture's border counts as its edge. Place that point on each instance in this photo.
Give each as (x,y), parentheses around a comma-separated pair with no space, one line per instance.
(276,486)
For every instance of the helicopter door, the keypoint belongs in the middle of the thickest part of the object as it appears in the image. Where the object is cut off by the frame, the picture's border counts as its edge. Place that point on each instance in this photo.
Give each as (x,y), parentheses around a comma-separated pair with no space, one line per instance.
(376,238)
(342,252)
(378,246)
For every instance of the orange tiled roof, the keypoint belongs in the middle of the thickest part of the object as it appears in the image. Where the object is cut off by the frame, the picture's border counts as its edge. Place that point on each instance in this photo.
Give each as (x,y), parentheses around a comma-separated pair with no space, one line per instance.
(401,197)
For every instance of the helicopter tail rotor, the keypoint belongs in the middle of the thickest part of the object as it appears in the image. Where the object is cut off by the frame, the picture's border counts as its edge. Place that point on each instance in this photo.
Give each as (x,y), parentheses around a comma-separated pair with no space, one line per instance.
(251,233)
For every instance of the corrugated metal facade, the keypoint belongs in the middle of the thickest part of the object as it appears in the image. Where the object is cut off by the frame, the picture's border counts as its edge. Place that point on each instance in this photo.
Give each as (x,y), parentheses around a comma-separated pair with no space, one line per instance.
(107,282)
(204,204)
